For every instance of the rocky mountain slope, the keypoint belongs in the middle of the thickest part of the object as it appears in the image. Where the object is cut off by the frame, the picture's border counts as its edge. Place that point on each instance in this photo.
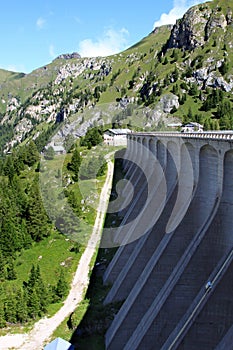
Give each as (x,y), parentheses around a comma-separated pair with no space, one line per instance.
(177,73)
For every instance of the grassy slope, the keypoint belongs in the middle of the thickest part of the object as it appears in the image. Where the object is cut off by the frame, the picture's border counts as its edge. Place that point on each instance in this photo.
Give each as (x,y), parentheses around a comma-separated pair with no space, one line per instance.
(91,313)
(55,252)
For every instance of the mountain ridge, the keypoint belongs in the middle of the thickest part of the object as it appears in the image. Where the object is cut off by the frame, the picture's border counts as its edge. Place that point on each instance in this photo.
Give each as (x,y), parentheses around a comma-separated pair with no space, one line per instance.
(185,65)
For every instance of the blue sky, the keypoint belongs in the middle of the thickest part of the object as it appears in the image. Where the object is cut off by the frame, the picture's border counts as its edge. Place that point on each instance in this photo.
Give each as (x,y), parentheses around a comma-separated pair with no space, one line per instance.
(34,33)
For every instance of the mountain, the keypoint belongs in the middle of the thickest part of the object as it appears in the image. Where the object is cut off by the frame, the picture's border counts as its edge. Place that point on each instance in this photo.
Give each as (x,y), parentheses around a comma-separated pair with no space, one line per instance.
(177,73)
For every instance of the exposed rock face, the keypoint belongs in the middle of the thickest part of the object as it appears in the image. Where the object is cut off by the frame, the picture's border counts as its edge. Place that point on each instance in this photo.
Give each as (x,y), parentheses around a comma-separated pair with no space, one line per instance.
(216,21)
(196,26)
(158,29)
(21,129)
(163,107)
(77,68)
(210,77)
(188,32)
(68,56)
(169,101)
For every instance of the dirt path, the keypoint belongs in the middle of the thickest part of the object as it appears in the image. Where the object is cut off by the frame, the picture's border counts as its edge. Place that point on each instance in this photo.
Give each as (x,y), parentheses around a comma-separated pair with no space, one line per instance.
(44,328)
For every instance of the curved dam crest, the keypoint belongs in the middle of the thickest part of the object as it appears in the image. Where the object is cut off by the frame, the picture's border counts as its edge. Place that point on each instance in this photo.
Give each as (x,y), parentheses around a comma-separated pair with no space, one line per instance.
(175,236)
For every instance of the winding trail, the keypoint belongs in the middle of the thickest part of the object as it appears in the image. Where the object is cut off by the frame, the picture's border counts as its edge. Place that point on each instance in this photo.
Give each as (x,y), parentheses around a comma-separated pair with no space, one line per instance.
(43,329)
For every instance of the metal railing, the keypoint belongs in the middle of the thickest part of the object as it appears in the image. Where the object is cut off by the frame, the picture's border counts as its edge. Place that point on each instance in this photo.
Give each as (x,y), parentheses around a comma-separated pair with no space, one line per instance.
(215,135)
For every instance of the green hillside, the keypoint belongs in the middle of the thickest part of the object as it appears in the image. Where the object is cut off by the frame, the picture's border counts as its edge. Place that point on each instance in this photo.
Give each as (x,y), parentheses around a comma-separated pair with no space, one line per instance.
(177,73)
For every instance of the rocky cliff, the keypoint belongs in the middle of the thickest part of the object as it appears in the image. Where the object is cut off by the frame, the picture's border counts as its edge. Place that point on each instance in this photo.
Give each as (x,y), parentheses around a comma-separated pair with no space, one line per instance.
(177,73)
(198,24)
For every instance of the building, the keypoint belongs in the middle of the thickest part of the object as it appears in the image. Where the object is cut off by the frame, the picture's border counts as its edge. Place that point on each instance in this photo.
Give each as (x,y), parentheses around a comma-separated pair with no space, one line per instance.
(174,125)
(59,344)
(57,147)
(192,127)
(116,137)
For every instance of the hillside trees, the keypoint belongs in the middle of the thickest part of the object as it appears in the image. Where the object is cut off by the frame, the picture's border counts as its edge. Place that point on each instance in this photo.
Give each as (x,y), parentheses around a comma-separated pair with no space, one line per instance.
(92,138)
(93,167)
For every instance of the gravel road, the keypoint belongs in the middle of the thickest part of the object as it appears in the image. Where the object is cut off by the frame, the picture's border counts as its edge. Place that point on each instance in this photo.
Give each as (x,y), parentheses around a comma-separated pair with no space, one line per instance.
(43,329)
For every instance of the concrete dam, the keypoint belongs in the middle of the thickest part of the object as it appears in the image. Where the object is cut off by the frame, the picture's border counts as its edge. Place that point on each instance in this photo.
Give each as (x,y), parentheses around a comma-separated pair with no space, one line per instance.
(173,269)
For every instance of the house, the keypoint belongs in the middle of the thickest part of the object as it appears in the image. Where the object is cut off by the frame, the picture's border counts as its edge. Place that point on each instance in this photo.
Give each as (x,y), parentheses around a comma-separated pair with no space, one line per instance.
(174,125)
(59,344)
(116,137)
(192,127)
(57,147)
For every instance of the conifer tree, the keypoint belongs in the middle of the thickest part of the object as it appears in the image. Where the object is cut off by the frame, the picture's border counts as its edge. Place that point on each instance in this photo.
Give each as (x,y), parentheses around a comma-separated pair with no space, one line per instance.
(8,242)
(62,286)
(37,296)
(75,163)
(21,306)
(8,168)
(41,291)
(2,315)
(31,154)
(33,304)
(37,218)
(2,267)
(11,273)
(10,308)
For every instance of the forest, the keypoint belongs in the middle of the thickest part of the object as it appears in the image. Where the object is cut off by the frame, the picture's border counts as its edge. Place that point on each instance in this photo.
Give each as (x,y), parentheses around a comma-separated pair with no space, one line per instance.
(24,223)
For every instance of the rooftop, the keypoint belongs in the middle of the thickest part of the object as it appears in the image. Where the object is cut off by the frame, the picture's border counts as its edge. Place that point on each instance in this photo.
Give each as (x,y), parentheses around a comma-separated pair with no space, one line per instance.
(120,131)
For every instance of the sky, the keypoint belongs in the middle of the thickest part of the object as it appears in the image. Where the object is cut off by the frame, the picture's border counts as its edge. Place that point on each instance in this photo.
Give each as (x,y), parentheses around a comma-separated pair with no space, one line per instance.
(33,33)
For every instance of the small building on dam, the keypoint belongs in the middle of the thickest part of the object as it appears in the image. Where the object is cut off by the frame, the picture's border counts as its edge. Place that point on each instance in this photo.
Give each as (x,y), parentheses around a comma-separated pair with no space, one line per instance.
(173,269)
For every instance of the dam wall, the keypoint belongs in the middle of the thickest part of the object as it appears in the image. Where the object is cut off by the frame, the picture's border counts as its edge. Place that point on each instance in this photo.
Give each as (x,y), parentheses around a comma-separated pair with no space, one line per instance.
(175,236)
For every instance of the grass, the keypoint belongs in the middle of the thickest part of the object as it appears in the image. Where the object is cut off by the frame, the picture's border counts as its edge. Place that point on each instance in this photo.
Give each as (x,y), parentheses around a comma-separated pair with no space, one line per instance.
(91,317)
(50,254)
(54,252)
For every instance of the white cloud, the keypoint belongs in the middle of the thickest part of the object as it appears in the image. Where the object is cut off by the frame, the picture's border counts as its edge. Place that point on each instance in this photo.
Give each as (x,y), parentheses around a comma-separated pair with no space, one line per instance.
(178,10)
(52,53)
(111,42)
(40,23)
(14,68)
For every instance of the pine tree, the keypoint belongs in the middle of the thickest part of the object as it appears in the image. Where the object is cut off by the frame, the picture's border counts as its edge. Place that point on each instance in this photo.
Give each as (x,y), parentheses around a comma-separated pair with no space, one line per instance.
(32,280)
(102,166)
(8,242)
(8,168)
(190,113)
(75,163)
(33,304)
(18,161)
(10,308)
(62,286)
(11,273)
(37,295)
(18,196)
(74,201)
(2,315)
(37,218)
(31,154)
(92,138)
(41,291)
(2,267)
(21,306)
(26,237)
